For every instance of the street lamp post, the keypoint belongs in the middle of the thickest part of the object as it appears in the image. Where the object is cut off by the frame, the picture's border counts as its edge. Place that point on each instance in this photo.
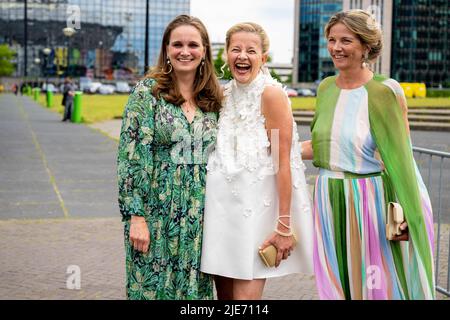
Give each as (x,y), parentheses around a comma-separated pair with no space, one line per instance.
(68,32)
(46,52)
(37,62)
(147,5)
(100,60)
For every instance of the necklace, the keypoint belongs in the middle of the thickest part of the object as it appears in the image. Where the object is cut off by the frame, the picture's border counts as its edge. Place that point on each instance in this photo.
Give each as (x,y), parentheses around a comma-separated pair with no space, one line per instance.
(187,107)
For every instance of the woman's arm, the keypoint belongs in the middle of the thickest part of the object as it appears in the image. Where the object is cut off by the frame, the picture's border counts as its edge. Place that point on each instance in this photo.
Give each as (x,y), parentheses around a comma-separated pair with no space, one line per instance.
(307,150)
(276,110)
(135,164)
(390,133)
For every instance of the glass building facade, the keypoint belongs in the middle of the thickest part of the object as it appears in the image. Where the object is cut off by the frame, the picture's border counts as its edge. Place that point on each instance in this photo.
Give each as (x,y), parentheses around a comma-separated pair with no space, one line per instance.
(420,41)
(314,62)
(109,41)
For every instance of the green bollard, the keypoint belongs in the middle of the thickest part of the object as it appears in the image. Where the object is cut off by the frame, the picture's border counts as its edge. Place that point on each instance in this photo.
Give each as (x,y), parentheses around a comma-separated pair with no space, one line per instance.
(28,91)
(37,91)
(49,99)
(76,112)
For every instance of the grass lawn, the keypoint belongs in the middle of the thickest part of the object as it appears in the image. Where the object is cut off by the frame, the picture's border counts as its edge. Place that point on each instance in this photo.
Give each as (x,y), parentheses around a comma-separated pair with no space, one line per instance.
(308,103)
(94,108)
(106,107)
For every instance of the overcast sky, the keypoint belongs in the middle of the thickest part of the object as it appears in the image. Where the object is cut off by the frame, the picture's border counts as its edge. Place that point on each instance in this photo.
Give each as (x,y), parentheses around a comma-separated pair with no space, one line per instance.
(276,17)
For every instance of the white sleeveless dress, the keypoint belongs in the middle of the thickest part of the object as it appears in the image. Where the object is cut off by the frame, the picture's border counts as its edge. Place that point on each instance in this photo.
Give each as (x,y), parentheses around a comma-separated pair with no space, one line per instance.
(241,204)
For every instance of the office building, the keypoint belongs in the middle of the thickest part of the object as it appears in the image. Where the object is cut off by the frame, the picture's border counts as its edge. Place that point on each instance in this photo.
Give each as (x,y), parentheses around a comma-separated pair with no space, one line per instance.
(109,41)
(415,37)
(420,41)
(311,59)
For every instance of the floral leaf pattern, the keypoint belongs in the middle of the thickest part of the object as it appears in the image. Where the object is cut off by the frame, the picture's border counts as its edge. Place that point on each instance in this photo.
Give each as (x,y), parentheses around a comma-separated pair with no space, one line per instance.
(158,184)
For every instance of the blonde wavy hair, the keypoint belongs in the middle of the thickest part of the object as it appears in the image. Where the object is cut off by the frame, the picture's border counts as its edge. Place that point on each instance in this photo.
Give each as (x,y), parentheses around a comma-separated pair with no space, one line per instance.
(364,25)
(249,27)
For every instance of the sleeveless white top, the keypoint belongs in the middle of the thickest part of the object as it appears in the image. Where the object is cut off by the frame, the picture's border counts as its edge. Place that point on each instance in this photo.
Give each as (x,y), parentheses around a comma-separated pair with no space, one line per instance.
(241,202)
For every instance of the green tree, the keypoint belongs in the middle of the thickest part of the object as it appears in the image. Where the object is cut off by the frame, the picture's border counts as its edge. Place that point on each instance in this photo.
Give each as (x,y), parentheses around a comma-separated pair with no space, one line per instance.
(218,63)
(288,80)
(6,55)
(275,75)
(272,71)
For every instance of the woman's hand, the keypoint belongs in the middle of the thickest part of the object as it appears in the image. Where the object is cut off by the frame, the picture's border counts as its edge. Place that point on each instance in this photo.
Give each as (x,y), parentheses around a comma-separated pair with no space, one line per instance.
(139,234)
(405,233)
(284,246)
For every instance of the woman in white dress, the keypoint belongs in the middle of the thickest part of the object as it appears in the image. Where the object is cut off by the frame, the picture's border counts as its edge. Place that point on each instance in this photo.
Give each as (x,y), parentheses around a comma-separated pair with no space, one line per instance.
(256,193)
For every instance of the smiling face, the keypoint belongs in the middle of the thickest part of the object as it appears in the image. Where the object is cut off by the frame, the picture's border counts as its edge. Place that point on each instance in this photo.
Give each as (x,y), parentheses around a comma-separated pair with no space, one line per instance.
(245,56)
(345,48)
(185,49)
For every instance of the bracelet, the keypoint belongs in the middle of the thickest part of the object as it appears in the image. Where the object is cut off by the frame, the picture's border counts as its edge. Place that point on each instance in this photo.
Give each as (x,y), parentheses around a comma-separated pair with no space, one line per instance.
(284,234)
(281,222)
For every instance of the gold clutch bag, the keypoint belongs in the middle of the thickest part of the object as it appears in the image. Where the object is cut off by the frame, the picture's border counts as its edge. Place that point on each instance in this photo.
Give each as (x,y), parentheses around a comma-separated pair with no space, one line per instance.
(394,219)
(269,254)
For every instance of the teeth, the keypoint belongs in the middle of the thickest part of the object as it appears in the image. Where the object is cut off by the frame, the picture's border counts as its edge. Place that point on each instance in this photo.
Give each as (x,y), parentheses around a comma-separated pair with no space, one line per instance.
(242,65)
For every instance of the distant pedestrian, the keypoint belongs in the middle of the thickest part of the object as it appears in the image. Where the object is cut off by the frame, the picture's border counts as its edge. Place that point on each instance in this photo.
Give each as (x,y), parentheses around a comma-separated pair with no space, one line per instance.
(359,115)
(15,88)
(67,101)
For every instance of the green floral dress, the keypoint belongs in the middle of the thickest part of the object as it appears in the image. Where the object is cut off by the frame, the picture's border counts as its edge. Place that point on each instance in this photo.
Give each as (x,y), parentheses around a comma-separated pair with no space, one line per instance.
(161,175)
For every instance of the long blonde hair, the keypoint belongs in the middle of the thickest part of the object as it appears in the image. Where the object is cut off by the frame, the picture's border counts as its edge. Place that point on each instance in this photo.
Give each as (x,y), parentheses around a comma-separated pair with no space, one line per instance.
(207,91)
(362,24)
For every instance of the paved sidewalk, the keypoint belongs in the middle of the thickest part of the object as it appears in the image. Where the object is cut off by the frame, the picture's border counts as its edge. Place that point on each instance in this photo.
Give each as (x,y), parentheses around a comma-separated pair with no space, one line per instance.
(58,208)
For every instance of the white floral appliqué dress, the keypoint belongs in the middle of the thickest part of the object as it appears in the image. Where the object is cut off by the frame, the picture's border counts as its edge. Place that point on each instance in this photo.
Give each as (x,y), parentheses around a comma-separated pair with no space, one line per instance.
(241,204)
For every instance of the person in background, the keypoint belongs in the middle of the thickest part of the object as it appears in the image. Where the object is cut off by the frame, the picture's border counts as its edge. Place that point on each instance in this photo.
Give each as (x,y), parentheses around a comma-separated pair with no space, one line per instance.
(67,101)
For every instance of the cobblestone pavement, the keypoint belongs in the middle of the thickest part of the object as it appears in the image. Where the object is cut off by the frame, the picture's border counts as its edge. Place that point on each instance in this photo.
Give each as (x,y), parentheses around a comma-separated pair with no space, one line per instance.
(48,226)
(35,256)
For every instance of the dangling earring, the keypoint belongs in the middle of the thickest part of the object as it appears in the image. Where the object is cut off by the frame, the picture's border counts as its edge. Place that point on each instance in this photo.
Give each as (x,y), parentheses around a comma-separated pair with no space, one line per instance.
(202,67)
(365,63)
(170,65)
(222,69)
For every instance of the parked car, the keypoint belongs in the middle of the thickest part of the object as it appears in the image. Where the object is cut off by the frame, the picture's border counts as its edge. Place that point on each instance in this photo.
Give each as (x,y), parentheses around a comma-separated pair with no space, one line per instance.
(93,87)
(106,89)
(85,84)
(291,92)
(122,87)
(306,93)
(50,87)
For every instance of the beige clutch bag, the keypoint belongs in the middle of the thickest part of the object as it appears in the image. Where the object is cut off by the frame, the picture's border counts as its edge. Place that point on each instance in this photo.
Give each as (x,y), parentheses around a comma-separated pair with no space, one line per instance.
(394,219)
(269,255)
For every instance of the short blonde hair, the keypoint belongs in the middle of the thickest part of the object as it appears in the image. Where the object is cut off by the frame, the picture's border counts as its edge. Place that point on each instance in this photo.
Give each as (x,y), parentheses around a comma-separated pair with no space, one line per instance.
(249,27)
(362,24)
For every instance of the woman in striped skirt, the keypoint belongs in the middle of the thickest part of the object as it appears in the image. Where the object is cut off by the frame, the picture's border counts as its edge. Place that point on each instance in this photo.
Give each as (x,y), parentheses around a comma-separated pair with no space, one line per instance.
(361,143)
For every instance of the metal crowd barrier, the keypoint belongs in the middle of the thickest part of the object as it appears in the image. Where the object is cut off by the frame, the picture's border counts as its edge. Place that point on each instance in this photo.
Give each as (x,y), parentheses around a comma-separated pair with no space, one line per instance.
(437,196)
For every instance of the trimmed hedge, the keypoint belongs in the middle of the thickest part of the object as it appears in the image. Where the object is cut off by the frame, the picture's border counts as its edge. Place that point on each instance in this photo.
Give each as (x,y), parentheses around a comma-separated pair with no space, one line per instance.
(438,93)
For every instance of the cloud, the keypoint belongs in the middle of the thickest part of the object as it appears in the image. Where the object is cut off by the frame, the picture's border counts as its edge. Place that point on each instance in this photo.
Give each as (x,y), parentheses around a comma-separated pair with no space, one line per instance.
(277,18)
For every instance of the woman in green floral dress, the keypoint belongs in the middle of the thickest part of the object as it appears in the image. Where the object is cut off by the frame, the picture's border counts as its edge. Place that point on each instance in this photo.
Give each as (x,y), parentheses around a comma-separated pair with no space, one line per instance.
(168,129)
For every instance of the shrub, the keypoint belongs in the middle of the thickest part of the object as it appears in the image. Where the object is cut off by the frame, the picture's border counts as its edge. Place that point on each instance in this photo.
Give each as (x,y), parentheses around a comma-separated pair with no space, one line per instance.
(438,93)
